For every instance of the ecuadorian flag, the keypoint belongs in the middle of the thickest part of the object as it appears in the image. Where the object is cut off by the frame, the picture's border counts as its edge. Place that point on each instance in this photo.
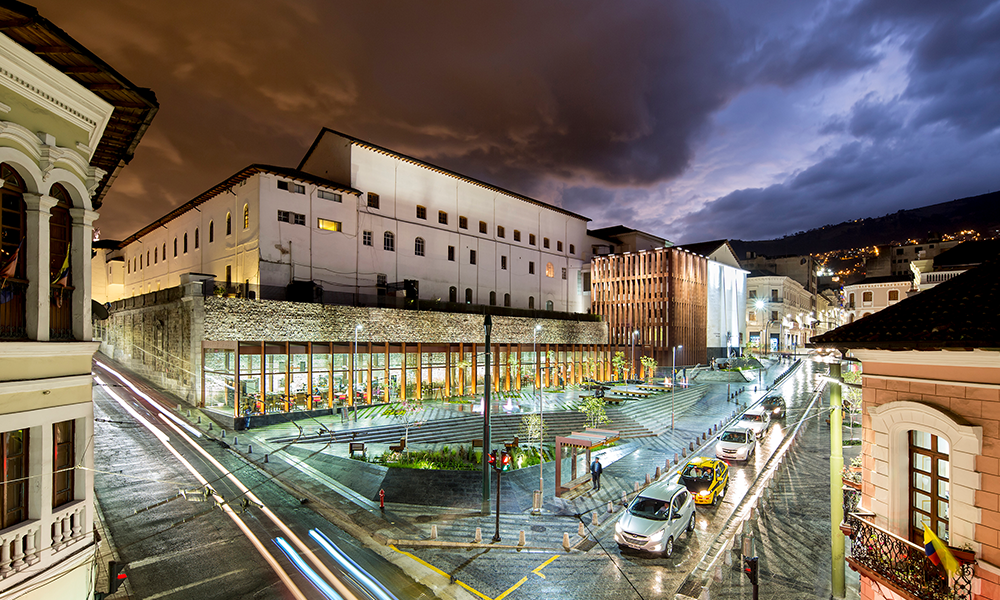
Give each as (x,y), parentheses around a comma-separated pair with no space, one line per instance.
(938,553)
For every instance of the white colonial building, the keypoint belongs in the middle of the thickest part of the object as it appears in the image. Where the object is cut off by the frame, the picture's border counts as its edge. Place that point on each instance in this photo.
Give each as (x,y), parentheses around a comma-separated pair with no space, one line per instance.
(61,144)
(355,221)
(780,312)
(872,294)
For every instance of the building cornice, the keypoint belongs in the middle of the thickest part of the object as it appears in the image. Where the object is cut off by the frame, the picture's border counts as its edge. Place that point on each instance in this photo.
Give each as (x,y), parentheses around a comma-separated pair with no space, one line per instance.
(978,358)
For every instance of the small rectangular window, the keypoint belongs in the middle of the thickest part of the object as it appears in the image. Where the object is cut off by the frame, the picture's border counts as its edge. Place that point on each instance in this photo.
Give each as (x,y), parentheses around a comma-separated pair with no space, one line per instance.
(564,272)
(517,236)
(366,238)
(334,196)
(545,242)
(299,219)
(531,239)
(472,257)
(381,279)
(288,186)
(483,227)
(559,248)
(422,212)
(327,225)
(531,267)
(463,223)
(451,253)
(442,217)
(372,200)
(572,249)
(503,263)
(500,231)
(284,216)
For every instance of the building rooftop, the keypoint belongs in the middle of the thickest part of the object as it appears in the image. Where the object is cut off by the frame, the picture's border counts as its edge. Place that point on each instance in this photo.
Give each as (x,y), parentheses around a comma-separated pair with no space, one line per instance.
(905,278)
(135,107)
(963,312)
(967,254)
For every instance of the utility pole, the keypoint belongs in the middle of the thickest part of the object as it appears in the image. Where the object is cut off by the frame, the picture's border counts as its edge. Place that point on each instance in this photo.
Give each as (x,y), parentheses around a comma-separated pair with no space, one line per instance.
(837,587)
(488,327)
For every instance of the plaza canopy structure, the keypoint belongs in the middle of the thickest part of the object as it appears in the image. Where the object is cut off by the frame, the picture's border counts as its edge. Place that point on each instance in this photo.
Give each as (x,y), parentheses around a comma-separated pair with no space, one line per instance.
(248,378)
(589,439)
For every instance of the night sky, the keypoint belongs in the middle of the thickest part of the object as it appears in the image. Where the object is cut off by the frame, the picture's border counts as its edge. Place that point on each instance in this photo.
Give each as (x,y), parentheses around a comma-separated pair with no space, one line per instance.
(691,120)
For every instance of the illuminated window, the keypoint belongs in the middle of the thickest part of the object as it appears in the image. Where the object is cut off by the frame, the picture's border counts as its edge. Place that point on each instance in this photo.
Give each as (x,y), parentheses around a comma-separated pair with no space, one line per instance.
(929,484)
(549,270)
(372,200)
(422,212)
(13,477)
(893,295)
(246,216)
(229,224)
(442,217)
(63,460)
(463,223)
(418,247)
(328,225)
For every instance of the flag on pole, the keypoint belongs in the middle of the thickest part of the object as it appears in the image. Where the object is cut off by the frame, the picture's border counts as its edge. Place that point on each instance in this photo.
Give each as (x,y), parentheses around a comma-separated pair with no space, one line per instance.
(62,275)
(938,553)
(9,268)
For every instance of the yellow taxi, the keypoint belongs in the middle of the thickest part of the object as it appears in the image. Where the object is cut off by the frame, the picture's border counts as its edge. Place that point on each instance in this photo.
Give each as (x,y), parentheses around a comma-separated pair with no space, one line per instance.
(706,478)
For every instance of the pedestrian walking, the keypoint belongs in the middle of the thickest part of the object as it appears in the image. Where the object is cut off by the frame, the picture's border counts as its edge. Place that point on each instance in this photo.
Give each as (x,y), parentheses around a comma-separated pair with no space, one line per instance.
(595,474)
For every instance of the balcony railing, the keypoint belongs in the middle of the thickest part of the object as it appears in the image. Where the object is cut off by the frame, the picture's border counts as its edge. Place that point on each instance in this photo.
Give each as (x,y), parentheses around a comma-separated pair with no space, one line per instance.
(61,313)
(901,564)
(12,309)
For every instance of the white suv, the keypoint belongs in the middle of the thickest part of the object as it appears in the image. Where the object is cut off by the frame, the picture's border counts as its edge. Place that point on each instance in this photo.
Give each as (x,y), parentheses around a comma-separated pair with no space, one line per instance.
(755,419)
(657,517)
(736,443)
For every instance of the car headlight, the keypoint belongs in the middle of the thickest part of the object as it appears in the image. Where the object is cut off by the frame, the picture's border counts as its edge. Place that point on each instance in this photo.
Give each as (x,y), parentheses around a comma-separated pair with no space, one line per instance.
(618,527)
(776,411)
(703,493)
(656,536)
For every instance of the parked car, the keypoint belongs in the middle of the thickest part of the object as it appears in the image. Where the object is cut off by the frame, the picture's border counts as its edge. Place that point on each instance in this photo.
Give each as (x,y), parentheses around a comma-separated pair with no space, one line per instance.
(756,419)
(657,517)
(736,443)
(775,406)
(706,478)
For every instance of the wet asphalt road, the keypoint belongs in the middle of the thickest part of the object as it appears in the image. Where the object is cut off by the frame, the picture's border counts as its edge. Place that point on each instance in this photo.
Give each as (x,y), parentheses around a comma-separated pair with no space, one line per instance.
(177,548)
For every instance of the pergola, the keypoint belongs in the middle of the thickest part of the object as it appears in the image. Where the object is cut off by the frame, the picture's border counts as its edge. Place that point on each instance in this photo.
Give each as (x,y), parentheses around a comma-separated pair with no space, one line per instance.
(590,439)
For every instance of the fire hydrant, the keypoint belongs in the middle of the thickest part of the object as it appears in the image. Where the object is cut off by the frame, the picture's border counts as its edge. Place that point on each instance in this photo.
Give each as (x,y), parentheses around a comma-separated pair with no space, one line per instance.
(381,500)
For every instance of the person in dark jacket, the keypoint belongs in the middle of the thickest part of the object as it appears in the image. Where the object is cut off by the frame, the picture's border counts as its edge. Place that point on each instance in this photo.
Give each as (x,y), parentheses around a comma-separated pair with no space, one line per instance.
(595,474)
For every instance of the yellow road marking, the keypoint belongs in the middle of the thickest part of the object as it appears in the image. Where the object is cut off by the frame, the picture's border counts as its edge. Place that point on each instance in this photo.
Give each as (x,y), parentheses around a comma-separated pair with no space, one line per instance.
(511,589)
(437,570)
(537,570)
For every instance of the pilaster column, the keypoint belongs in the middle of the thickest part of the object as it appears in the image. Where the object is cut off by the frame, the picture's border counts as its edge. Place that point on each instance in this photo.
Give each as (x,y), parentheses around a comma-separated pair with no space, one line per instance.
(80,248)
(36,247)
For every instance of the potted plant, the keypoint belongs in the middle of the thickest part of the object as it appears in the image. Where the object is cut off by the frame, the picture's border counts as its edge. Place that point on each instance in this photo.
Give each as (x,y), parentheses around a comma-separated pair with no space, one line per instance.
(851,476)
(964,554)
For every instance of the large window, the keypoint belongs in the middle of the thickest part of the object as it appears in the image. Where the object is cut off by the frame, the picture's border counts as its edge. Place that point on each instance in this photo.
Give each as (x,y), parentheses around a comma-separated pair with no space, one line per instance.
(389,241)
(63,460)
(929,485)
(366,238)
(246,216)
(418,246)
(13,477)
(866,297)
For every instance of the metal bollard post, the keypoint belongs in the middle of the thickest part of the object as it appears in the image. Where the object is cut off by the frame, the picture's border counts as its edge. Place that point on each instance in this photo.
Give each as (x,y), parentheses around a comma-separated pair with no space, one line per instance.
(593,519)
(236,440)
(658,472)
(479,535)
(178,408)
(223,433)
(381,500)
(250,449)
(434,532)
(581,530)
(265,458)
(566,542)
(611,509)
(647,479)
(520,538)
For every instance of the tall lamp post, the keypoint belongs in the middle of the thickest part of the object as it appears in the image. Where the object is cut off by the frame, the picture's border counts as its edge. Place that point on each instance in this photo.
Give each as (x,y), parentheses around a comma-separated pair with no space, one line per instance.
(534,350)
(631,365)
(673,384)
(354,385)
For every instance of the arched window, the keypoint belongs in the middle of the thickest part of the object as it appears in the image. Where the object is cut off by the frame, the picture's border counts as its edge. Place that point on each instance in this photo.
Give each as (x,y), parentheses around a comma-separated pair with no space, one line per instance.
(156,256)
(493,298)
(13,224)
(548,305)
(211,231)
(60,230)
(164,253)
(453,294)
(147,258)
(229,223)
(549,270)
(389,241)
(246,216)
(195,238)
(506,299)
(175,247)
(468,295)
(531,302)
(185,243)
(418,246)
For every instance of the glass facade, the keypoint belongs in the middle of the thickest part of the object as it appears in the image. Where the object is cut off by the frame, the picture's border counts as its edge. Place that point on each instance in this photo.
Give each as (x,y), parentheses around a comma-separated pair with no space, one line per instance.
(286,377)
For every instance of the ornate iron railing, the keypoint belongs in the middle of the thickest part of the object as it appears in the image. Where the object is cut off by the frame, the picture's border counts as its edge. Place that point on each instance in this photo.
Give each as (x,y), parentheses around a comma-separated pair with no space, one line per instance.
(12,309)
(61,313)
(852,496)
(904,565)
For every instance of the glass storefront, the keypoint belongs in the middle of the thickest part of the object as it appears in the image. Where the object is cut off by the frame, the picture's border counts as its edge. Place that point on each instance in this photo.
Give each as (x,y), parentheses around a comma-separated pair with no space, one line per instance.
(257,378)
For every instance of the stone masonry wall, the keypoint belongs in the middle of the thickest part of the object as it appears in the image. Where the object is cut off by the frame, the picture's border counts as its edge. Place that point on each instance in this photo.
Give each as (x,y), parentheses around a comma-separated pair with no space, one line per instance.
(230,319)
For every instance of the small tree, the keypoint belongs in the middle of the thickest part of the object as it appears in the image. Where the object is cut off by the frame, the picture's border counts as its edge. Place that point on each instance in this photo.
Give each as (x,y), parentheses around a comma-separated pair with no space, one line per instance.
(649,363)
(593,409)
(462,365)
(406,411)
(515,368)
(618,363)
(533,430)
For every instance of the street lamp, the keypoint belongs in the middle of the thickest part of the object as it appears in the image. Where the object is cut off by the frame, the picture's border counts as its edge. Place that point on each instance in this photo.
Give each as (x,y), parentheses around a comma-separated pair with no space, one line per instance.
(534,350)
(673,385)
(631,365)
(354,391)
(763,333)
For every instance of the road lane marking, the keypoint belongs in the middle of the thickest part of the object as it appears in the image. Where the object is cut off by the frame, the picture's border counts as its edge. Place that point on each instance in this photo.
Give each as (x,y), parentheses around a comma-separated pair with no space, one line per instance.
(191,585)
(538,570)
(511,589)
(437,570)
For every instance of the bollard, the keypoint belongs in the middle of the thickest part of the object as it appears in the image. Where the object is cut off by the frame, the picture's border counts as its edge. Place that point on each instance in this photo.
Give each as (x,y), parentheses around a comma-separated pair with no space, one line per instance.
(479,535)
(250,449)
(691,446)
(704,436)
(434,532)
(581,530)
(210,428)
(536,501)
(666,464)
(223,433)
(566,542)
(658,472)
(638,486)
(178,408)
(520,538)
(647,479)
(593,519)
(265,458)
(199,420)
(381,500)
(610,508)
(189,414)
(683,453)
(236,440)
(676,459)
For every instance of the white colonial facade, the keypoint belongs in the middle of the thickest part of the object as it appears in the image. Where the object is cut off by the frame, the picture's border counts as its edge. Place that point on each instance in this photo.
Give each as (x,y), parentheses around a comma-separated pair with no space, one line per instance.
(780,313)
(357,220)
(872,294)
(52,149)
